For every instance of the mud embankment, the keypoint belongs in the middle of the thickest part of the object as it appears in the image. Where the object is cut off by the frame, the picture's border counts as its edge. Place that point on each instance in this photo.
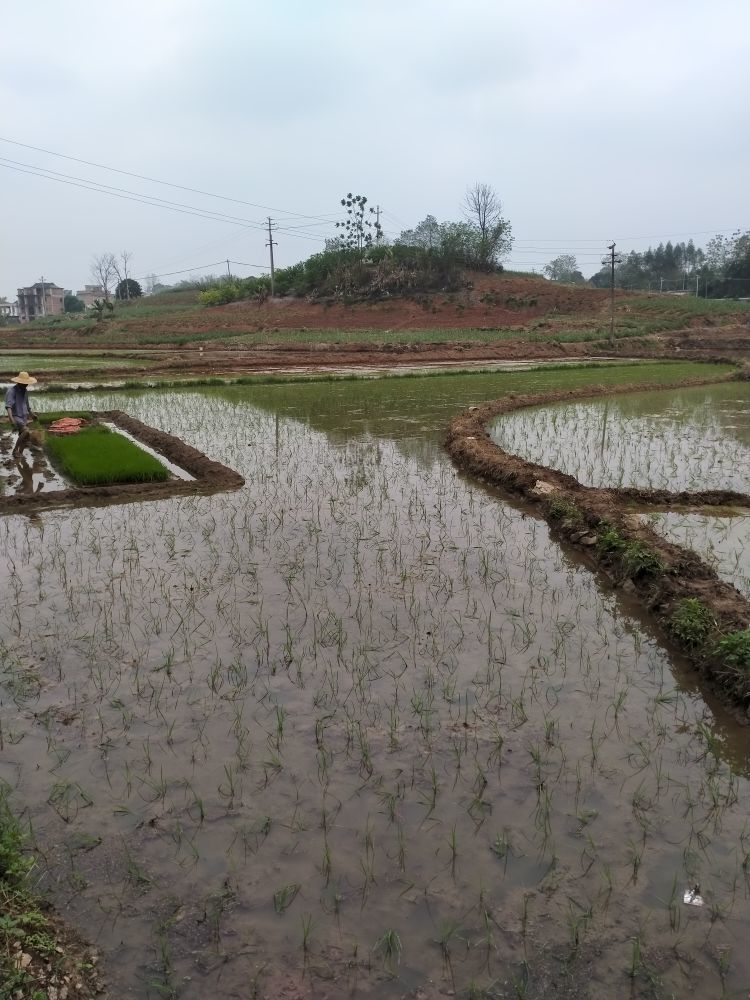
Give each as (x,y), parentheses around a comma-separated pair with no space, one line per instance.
(604,525)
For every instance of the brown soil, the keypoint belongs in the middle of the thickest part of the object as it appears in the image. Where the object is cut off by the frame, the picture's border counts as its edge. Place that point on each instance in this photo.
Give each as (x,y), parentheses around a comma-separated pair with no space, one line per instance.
(520,306)
(209,476)
(684,574)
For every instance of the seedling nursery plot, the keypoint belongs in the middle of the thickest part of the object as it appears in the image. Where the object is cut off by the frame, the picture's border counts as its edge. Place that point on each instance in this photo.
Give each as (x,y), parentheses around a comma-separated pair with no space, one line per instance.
(363,726)
(110,456)
(95,455)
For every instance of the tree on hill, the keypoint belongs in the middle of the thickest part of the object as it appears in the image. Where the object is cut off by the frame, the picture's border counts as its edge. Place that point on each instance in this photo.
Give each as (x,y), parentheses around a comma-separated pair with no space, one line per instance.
(128,288)
(72,304)
(357,229)
(483,211)
(735,281)
(425,235)
(564,268)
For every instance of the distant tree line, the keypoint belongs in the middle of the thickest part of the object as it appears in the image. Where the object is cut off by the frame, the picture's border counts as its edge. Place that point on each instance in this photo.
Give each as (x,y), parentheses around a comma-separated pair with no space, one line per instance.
(720,270)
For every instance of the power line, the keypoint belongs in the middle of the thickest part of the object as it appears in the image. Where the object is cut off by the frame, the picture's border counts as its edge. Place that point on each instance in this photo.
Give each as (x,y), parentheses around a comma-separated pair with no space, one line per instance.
(127,195)
(133,196)
(522,246)
(155,180)
(200,267)
(204,246)
(654,236)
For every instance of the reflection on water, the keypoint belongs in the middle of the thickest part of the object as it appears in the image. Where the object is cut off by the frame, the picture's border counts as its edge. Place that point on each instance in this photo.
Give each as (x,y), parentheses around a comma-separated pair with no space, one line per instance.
(361,717)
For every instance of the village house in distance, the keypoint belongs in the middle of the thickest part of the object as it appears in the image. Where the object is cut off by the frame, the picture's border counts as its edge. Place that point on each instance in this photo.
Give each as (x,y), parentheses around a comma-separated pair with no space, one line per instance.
(44,298)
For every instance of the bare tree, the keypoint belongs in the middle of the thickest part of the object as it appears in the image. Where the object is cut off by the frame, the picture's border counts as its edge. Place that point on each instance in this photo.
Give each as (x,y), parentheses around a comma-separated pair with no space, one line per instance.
(484,212)
(482,207)
(103,271)
(121,270)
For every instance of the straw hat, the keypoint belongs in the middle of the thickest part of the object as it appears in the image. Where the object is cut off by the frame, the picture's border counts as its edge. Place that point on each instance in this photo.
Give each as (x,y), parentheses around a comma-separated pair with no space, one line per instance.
(23,378)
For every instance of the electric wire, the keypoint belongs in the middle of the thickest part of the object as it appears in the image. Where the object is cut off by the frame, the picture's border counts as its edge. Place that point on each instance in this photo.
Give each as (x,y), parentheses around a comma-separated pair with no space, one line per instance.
(155,180)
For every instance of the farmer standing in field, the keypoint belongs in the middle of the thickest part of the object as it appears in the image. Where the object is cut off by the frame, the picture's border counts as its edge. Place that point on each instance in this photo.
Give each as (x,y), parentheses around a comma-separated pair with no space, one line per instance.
(19,410)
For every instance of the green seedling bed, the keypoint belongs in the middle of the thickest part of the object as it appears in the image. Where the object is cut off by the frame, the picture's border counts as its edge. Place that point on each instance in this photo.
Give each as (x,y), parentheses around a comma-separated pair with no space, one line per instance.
(96,456)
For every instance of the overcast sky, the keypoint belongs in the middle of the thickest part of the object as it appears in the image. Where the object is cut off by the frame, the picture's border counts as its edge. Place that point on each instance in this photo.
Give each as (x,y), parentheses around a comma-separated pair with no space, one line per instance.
(593,121)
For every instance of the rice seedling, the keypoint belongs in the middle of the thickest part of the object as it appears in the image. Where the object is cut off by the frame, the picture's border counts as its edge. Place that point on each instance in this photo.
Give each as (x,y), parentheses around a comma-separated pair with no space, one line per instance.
(389,947)
(285,896)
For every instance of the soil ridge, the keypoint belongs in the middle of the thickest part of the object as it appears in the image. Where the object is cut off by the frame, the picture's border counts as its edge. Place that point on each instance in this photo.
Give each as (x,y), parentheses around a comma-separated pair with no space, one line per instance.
(602,523)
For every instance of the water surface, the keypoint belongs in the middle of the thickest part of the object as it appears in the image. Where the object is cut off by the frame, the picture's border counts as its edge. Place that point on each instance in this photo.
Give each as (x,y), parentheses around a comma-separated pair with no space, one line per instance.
(361,718)
(686,439)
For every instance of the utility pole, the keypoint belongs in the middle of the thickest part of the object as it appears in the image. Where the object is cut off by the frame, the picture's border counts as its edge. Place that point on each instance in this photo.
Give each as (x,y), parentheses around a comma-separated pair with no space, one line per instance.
(270,246)
(44,299)
(229,273)
(378,233)
(612,259)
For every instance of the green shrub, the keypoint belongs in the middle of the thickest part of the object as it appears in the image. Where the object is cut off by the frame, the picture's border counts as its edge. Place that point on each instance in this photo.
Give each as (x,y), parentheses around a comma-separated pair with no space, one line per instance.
(636,558)
(611,540)
(691,621)
(639,560)
(735,649)
(228,291)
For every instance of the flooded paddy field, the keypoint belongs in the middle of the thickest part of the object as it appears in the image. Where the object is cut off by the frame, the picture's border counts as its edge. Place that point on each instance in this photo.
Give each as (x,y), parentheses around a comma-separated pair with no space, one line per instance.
(685,439)
(362,727)
(722,541)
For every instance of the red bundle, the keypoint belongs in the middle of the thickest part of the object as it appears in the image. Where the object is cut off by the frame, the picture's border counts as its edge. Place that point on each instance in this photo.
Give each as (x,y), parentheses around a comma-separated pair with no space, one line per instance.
(66,425)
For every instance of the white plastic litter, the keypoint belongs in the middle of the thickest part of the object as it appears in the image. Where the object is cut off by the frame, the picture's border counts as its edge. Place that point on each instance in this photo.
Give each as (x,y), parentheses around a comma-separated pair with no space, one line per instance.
(693,896)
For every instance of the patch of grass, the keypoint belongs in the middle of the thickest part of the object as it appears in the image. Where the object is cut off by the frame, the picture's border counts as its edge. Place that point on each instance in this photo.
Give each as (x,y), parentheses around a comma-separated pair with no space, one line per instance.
(14,867)
(691,621)
(561,509)
(640,560)
(96,456)
(734,649)
(635,558)
(610,541)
